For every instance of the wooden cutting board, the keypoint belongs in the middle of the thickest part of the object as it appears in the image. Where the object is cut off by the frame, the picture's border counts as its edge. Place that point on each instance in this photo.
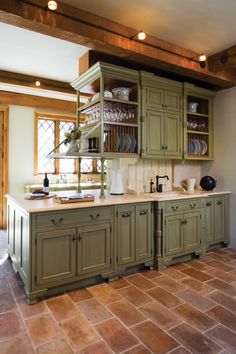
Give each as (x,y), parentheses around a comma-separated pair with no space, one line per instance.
(64,200)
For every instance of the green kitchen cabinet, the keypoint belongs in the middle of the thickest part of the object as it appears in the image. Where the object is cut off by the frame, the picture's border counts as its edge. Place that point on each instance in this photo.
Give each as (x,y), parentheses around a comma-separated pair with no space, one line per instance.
(134,235)
(198,123)
(178,231)
(126,234)
(216,213)
(143,232)
(161,117)
(55,257)
(94,248)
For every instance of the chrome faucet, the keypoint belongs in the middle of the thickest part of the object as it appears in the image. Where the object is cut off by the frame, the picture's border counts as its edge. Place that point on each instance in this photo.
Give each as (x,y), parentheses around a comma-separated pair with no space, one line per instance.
(159,186)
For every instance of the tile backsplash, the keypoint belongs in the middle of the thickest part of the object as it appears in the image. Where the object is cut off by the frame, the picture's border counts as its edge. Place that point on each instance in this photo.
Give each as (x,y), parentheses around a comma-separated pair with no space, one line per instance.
(138,172)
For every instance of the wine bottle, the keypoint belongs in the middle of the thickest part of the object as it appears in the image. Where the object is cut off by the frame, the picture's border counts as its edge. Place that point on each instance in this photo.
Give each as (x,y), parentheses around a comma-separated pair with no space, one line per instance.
(46,184)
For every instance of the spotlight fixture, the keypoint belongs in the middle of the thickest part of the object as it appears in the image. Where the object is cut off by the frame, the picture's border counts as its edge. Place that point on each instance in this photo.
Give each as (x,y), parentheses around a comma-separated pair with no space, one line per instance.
(141,35)
(37,83)
(202,60)
(52,5)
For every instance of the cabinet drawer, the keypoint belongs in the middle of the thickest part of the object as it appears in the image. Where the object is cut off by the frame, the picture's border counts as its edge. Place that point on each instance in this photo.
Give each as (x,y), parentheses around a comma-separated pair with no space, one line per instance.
(190,204)
(88,215)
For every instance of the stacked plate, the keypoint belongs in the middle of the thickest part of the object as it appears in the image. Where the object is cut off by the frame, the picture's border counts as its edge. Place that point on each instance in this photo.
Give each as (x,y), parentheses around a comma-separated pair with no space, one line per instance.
(197,147)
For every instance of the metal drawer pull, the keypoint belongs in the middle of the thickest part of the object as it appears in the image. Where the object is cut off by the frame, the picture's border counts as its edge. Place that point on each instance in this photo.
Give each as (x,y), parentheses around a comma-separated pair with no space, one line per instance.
(192,206)
(125,215)
(56,223)
(174,207)
(208,204)
(143,212)
(183,222)
(79,238)
(94,217)
(219,202)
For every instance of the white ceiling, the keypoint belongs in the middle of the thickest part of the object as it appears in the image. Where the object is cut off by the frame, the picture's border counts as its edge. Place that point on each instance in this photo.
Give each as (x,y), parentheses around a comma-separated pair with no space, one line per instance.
(26,52)
(200,25)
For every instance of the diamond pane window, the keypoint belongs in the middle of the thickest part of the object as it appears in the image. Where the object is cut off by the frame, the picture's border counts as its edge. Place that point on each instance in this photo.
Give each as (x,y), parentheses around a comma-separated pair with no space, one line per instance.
(65,165)
(86,165)
(46,142)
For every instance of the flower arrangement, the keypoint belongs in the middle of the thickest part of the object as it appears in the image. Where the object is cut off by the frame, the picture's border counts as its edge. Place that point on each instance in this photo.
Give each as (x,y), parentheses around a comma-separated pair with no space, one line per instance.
(72,135)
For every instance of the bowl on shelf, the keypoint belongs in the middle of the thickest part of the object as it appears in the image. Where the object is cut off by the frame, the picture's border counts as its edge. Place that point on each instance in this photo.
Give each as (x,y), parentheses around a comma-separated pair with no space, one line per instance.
(192,107)
(121,93)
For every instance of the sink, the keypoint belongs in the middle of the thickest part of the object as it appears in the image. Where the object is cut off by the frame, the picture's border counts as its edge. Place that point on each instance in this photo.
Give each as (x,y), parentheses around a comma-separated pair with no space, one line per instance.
(164,195)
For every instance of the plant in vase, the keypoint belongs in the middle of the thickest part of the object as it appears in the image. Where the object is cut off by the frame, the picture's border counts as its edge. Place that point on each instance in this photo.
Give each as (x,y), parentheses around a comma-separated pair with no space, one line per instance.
(72,139)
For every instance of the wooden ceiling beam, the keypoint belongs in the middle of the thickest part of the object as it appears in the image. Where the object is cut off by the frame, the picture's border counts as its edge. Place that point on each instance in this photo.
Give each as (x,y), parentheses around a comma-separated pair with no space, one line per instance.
(29,81)
(20,99)
(77,26)
(223,61)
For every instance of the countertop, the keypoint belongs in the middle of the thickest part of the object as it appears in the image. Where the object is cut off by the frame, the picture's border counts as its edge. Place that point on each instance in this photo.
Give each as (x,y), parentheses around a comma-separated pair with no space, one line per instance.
(34,206)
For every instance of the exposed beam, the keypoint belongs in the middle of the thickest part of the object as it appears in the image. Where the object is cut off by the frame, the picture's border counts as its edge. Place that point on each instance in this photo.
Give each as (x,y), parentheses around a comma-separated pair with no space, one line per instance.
(224,60)
(20,99)
(29,81)
(77,26)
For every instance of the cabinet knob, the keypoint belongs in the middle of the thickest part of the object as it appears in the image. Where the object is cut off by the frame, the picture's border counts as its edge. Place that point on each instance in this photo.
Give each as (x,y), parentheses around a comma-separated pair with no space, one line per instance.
(208,204)
(219,202)
(73,238)
(182,222)
(94,217)
(79,238)
(166,147)
(174,207)
(143,212)
(165,105)
(162,147)
(56,222)
(125,215)
(192,206)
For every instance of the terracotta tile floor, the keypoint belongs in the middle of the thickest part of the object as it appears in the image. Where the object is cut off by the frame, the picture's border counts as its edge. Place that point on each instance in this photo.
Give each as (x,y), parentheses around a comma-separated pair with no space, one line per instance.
(187,308)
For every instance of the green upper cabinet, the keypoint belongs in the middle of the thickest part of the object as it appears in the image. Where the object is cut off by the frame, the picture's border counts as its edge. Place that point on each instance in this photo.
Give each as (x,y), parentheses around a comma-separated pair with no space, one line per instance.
(109,120)
(161,117)
(198,123)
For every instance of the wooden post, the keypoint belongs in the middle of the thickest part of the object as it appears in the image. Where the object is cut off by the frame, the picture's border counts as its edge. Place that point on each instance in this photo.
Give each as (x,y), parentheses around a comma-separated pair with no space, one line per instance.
(102,192)
(79,175)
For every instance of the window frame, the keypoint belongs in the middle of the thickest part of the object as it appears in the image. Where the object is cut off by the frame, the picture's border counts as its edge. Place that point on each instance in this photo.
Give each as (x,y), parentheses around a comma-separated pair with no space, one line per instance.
(57,117)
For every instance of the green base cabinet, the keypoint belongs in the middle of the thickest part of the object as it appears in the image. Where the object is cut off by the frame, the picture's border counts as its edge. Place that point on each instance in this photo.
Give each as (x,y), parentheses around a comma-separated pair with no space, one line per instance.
(134,235)
(216,214)
(178,231)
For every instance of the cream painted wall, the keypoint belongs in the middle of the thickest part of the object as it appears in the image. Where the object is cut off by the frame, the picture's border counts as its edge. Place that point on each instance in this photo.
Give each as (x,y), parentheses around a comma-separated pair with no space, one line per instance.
(224,166)
(21,147)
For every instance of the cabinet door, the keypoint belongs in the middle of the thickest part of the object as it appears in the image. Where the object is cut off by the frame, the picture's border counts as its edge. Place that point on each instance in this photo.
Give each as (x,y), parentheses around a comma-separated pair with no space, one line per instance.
(209,220)
(172,134)
(154,97)
(143,232)
(174,234)
(192,231)
(11,217)
(172,100)
(125,234)
(219,208)
(94,248)
(154,133)
(55,256)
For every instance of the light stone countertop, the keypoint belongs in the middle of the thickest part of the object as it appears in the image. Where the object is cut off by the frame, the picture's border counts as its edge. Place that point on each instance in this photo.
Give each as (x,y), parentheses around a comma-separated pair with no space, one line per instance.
(35,206)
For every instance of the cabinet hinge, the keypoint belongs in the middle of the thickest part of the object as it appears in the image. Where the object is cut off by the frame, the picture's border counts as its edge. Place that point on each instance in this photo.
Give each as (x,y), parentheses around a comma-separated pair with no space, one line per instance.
(110,228)
(35,278)
(142,119)
(110,260)
(35,241)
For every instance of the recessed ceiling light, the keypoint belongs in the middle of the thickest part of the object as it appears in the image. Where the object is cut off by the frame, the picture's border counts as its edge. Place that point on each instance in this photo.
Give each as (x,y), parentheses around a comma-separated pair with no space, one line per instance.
(202,60)
(52,5)
(37,83)
(141,35)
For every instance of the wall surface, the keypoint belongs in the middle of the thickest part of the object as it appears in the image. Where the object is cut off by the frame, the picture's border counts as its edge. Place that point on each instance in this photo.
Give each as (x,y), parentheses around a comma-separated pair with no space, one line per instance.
(224,166)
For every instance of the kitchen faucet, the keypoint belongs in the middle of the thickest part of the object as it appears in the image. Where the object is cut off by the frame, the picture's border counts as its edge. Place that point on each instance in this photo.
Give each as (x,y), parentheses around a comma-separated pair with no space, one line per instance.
(159,186)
